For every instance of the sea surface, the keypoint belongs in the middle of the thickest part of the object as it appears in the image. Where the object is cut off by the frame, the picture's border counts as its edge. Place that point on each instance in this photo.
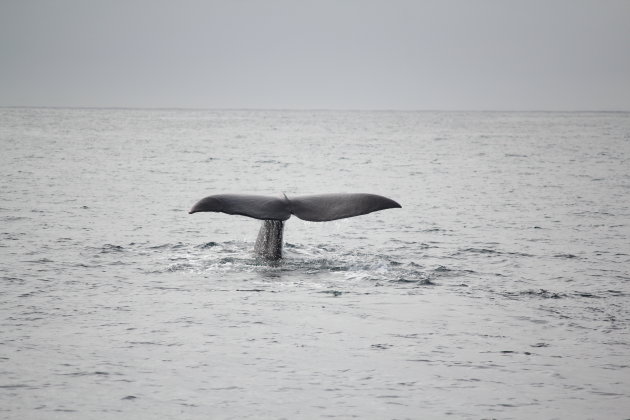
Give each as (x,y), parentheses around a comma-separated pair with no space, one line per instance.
(500,289)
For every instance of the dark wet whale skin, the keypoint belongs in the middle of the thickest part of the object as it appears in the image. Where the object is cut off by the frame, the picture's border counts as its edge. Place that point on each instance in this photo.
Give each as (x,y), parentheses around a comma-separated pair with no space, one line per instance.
(274,211)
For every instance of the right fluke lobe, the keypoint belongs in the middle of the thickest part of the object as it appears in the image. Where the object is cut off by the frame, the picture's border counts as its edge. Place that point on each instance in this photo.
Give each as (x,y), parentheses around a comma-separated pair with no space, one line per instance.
(326,207)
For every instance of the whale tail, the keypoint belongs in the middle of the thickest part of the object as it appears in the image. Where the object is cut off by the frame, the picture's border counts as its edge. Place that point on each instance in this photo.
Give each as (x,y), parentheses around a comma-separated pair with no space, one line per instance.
(313,208)
(274,211)
(269,240)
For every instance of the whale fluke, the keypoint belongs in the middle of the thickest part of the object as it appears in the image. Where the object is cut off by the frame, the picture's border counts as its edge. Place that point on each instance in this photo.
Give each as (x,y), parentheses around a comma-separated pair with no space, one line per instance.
(274,211)
(257,206)
(327,207)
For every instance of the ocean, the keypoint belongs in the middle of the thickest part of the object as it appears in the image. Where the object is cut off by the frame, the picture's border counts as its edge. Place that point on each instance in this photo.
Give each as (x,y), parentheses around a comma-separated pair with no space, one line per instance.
(500,289)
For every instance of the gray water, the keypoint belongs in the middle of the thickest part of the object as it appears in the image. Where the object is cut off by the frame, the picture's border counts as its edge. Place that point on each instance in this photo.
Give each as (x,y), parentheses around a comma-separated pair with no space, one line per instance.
(499,290)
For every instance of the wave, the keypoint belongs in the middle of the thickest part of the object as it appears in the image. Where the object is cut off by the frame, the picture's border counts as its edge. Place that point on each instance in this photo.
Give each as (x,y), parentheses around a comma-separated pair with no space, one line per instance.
(310,261)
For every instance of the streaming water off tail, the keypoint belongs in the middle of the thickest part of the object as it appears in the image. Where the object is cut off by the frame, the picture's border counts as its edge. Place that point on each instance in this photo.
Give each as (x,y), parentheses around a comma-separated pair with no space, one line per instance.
(499,290)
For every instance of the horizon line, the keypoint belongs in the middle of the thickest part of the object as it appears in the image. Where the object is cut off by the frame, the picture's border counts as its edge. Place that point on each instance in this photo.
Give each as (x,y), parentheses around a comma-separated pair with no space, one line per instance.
(179,108)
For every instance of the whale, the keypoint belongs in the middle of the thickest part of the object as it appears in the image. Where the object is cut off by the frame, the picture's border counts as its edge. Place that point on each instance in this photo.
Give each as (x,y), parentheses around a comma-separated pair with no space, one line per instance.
(275,211)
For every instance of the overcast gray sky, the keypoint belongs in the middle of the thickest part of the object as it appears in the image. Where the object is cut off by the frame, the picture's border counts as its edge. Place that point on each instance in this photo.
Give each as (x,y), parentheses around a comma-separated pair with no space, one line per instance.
(341,54)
